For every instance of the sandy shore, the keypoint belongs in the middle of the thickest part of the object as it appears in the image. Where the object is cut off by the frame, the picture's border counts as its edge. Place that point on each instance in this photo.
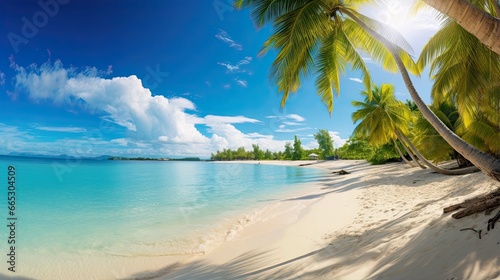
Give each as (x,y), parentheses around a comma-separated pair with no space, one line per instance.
(379,222)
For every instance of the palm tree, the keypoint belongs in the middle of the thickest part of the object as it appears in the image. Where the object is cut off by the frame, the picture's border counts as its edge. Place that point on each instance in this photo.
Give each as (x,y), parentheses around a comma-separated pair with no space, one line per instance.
(380,116)
(482,24)
(383,118)
(328,35)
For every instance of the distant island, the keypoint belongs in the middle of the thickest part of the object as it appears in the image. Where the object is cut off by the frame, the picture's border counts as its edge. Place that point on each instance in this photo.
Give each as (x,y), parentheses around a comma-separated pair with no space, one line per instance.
(156,159)
(102,157)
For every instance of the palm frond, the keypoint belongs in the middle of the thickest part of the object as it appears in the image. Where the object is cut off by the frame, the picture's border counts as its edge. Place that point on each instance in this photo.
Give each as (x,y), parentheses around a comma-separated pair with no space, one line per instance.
(266,11)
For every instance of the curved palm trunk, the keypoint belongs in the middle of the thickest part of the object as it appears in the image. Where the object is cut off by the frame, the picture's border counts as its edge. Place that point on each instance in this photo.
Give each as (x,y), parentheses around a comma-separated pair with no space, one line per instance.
(477,22)
(415,160)
(434,167)
(402,156)
(486,163)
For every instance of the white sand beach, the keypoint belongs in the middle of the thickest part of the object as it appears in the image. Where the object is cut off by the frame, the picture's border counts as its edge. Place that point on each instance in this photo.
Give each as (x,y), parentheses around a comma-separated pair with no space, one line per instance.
(379,222)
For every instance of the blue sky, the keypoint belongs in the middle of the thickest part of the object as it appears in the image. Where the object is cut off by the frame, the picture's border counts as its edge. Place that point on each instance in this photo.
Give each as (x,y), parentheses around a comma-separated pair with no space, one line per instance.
(160,78)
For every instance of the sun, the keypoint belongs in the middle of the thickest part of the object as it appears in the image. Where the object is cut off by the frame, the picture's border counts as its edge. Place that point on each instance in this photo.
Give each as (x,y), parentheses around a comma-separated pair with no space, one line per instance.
(415,28)
(396,14)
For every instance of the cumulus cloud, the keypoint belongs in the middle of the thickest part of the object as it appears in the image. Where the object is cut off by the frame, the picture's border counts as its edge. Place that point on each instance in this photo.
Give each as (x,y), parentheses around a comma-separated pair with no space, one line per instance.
(337,140)
(155,125)
(228,136)
(123,100)
(224,37)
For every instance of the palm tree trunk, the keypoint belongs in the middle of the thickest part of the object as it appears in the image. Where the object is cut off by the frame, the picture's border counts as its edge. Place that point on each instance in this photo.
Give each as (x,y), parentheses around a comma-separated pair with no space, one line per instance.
(485,162)
(401,154)
(436,168)
(477,22)
(408,150)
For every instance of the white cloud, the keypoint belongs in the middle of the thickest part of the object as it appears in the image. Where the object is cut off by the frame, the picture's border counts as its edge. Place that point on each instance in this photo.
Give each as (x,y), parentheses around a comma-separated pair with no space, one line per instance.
(226,86)
(236,68)
(224,37)
(163,138)
(337,140)
(357,80)
(121,141)
(123,99)
(295,117)
(156,125)
(62,129)
(183,103)
(242,83)
(282,121)
(292,123)
(211,119)
(227,136)
(230,67)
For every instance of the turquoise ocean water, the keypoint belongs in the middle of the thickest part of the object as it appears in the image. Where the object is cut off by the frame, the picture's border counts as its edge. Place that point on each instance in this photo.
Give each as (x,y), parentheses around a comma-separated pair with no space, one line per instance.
(135,208)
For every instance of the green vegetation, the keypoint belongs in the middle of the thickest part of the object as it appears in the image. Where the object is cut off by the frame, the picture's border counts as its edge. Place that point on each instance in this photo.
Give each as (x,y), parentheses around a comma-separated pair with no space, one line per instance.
(356,148)
(297,149)
(297,152)
(325,143)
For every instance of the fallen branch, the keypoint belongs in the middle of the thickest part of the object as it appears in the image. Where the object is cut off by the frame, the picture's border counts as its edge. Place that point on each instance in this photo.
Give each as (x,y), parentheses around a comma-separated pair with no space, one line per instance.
(472,201)
(477,207)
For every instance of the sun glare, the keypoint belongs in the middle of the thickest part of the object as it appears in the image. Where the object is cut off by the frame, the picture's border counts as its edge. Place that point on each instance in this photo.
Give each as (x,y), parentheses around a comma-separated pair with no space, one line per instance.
(396,14)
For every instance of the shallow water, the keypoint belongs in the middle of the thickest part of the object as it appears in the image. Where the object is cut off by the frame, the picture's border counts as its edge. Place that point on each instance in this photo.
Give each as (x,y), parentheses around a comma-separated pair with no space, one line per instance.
(137,208)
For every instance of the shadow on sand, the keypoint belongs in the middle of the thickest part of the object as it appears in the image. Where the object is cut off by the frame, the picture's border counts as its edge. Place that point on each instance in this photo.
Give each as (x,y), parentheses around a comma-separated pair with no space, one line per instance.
(352,250)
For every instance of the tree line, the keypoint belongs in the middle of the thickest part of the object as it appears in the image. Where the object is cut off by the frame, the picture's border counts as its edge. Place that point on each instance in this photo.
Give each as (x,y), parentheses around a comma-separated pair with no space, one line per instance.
(292,151)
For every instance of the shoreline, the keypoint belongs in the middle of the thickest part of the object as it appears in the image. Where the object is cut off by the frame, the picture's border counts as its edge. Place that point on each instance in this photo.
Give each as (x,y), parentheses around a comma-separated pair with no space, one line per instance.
(379,222)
